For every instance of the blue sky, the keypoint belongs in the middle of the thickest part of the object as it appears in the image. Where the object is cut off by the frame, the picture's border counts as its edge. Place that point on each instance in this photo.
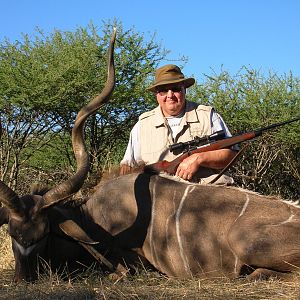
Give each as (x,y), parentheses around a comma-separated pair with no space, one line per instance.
(214,34)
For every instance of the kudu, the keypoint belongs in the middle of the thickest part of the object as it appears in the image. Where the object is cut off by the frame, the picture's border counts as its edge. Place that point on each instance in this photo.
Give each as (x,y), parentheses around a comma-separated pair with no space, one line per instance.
(181,229)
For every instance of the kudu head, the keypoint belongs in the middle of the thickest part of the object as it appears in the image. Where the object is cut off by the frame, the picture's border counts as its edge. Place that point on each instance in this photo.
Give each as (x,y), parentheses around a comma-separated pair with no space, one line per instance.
(26,216)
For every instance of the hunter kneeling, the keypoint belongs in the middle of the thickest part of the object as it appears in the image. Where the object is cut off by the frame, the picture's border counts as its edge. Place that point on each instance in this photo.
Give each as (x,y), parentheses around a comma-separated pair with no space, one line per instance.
(177,120)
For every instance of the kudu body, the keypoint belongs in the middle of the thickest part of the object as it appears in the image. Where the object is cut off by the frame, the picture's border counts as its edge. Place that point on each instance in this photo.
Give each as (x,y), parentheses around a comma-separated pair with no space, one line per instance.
(181,229)
(195,230)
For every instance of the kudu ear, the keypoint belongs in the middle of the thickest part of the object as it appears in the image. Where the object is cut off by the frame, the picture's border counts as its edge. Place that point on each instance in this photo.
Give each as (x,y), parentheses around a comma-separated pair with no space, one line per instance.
(73,230)
(4,216)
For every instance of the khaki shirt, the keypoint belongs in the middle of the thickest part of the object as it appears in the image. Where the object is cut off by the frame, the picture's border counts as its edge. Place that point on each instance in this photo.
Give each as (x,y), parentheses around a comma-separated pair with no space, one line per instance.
(156,135)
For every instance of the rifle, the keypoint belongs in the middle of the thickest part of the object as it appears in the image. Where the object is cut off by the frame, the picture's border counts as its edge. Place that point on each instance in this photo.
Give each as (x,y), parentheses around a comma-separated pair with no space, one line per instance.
(208,143)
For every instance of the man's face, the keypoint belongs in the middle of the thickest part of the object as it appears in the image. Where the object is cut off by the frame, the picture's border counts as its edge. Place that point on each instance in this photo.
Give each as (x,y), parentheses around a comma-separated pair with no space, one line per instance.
(171,99)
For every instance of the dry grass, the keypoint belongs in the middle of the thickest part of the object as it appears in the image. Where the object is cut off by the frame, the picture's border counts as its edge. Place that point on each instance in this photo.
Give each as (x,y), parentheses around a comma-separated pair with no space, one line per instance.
(6,256)
(145,285)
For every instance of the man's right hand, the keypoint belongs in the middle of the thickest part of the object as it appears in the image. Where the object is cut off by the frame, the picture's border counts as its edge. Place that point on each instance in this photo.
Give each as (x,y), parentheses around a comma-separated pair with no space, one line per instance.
(125,169)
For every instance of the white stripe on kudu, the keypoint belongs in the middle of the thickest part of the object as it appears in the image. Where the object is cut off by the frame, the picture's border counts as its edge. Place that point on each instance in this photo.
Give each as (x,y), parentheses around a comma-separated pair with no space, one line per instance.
(188,190)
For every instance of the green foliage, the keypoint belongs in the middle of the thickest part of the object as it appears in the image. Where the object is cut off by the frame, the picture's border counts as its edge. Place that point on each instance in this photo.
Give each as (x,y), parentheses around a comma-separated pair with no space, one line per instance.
(46,79)
(135,62)
(248,101)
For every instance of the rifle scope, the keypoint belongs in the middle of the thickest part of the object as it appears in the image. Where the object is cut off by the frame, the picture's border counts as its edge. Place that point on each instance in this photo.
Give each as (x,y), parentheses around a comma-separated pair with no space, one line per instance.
(196,142)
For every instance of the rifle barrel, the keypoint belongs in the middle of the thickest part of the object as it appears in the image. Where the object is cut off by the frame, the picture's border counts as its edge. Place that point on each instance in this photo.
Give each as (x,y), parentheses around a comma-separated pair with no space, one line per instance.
(171,166)
(277,125)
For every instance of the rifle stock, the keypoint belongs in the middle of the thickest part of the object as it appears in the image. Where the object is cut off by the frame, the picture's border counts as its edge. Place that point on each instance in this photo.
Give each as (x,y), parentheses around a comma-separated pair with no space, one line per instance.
(171,166)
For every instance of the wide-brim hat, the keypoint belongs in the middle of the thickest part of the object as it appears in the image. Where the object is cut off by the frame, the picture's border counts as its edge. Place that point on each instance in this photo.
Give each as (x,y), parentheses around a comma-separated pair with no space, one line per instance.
(169,74)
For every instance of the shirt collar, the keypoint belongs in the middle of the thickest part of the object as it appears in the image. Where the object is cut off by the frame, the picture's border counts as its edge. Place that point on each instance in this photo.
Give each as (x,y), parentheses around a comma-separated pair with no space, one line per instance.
(189,117)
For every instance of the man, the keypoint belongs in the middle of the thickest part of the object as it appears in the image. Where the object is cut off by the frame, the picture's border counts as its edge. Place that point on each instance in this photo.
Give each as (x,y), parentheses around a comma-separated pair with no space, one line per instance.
(174,120)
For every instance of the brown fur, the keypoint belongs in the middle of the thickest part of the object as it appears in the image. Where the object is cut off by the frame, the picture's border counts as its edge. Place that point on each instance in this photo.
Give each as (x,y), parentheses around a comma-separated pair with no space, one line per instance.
(186,229)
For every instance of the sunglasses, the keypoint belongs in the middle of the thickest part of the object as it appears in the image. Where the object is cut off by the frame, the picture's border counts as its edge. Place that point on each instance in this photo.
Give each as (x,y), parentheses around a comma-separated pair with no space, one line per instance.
(163,91)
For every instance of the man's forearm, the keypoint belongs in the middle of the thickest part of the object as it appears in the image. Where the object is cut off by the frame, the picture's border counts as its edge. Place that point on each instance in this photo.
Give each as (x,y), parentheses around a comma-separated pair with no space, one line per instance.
(217,159)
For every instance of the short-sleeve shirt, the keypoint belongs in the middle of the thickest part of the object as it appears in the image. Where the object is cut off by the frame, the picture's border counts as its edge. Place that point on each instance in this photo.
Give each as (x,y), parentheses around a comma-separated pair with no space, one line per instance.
(132,156)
